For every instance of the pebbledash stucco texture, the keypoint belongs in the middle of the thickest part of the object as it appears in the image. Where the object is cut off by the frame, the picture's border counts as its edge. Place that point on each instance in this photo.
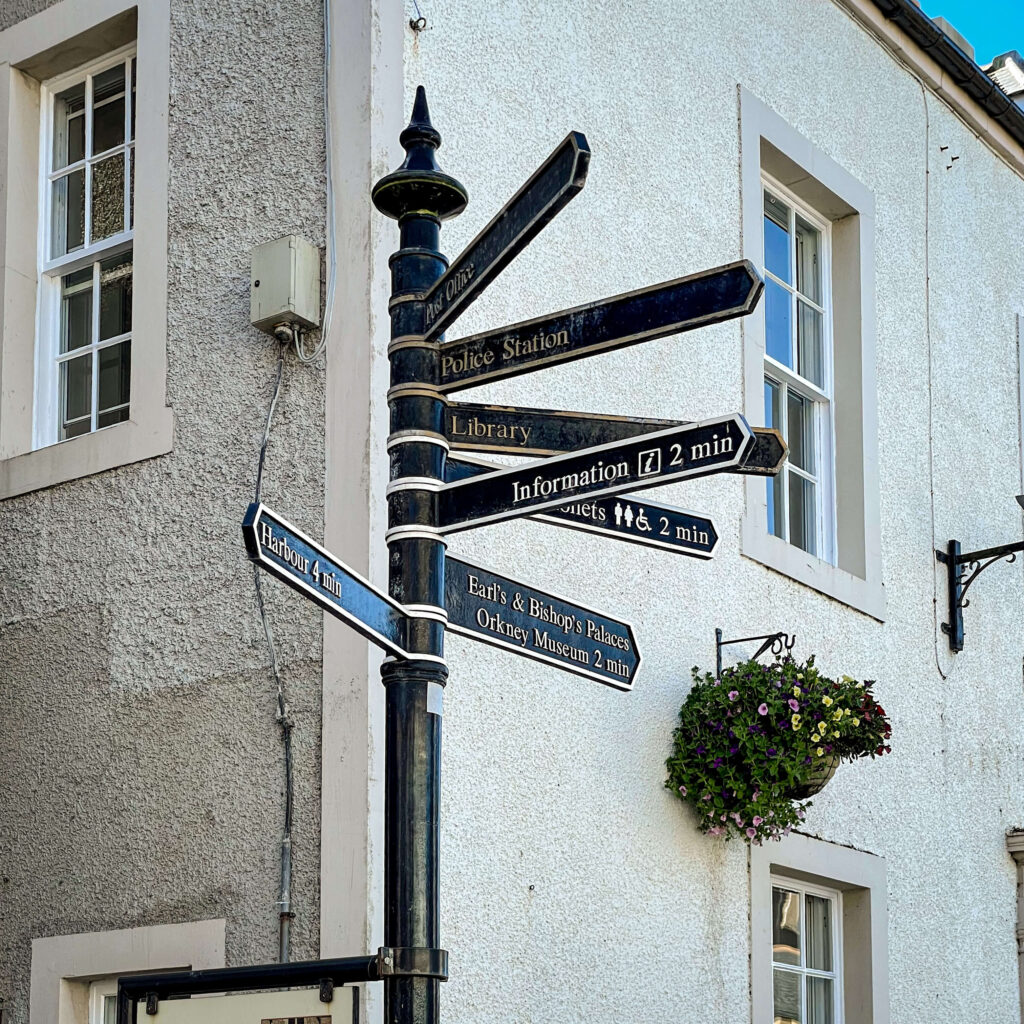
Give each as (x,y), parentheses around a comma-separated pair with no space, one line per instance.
(575,888)
(142,767)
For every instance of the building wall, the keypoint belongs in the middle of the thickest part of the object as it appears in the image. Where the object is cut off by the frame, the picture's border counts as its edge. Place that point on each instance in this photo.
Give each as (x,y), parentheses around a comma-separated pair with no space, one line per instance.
(141,762)
(574,886)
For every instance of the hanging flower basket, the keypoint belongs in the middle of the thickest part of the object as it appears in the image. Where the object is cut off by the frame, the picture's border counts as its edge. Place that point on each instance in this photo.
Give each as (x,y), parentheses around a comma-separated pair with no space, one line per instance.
(755,744)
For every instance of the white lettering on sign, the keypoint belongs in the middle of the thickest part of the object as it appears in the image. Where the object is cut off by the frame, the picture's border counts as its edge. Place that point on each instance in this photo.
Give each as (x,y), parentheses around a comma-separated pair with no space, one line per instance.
(300,563)
(452,289)
(476,428)
(543,487)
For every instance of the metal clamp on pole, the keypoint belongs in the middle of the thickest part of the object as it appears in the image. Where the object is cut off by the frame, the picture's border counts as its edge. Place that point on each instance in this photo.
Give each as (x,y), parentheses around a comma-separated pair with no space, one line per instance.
(412,962)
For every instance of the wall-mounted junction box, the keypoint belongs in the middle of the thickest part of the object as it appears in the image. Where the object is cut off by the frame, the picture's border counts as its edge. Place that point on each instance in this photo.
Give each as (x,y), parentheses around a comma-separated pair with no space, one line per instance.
(285,284)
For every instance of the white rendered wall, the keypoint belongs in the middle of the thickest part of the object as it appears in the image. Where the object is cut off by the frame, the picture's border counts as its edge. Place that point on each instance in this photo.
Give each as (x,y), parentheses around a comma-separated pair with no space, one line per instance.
(574,887)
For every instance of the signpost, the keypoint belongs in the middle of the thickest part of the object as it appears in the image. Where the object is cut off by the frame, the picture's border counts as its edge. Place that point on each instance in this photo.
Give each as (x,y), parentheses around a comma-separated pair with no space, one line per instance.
(624,517)
(504,613)
(642,315)
(650,460)
(594,460)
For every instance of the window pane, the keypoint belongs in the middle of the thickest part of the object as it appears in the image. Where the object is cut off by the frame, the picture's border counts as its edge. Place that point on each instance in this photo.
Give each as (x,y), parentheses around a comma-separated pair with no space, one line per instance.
(108,197)
(786,997)
(68,213)
(776,237)
(772,397)
(809,344)
(785,926)
(69,126)
(818,915)
(109,1010)
(131,189)
(820,1001)
(76,391)
(802,514)
(76,310)
(777,318)
(108,109)
(115,375)
(132,129)
(115,296)
(808,260)
(800,432)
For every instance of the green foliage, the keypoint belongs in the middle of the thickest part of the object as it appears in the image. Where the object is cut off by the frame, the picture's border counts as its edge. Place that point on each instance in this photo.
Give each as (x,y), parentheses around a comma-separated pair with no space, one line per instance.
(746,743)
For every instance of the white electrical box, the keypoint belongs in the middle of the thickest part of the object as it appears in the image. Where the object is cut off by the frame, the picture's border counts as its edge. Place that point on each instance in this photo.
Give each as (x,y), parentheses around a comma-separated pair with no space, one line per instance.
(285,284)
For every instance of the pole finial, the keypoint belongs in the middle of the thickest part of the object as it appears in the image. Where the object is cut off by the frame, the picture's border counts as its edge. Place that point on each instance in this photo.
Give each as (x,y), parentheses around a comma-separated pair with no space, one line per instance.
(419,184)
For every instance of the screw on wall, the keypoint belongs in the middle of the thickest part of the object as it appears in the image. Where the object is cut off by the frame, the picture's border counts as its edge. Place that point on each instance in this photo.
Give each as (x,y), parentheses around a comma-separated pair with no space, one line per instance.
(952,159)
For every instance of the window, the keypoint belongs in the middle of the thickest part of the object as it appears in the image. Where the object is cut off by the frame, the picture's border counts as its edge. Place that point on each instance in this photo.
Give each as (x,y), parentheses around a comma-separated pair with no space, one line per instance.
(797,373)
(85,323)
(809,363)
(818,934)
(84,88)
(74,977)
(806,954)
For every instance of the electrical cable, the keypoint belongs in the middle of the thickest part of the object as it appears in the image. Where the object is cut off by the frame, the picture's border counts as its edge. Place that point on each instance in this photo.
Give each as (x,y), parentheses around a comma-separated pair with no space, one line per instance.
(284,719)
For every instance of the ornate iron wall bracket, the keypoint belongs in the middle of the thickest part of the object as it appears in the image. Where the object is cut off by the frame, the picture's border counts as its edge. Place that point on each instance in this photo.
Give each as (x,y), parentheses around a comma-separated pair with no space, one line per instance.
(962,569)
(776,642)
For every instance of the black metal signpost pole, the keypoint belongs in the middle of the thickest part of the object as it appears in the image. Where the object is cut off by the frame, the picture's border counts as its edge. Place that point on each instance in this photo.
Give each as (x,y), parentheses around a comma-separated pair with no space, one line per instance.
(419,197)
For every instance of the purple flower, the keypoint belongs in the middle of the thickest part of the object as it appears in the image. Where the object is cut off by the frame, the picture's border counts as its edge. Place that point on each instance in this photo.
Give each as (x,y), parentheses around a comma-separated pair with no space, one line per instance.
(700,750)
(732,750)
(763,709)
(778,684)
(717,682)
(784,724)
(794,703)
(807,760)
(682,790)
(752,728)
(787,830)
(801,813)
(771,751)
(717,763)
(733,694)
(751,832)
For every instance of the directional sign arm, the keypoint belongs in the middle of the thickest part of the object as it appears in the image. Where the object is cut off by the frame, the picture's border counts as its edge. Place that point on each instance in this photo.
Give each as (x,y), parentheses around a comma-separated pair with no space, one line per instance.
(553,184)
(694,450)
(670,308)
(517,431)
(504,613)
(287,553)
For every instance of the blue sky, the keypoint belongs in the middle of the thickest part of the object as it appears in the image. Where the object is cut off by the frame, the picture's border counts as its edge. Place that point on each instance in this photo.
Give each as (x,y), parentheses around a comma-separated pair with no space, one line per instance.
(990,26)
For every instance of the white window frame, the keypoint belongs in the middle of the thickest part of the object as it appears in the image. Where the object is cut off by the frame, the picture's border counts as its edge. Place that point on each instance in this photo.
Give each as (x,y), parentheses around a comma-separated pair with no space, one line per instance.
(821,397)
(99,992)
(836,975)
(854,574)
(47,416)
(35,50)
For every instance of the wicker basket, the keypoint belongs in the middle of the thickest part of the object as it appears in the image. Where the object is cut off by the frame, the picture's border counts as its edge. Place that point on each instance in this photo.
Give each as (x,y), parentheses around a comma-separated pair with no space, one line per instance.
(818,777)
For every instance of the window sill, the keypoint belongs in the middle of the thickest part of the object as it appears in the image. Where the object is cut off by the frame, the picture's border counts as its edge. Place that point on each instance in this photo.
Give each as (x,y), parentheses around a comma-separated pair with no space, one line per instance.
(867,596)
(120,445)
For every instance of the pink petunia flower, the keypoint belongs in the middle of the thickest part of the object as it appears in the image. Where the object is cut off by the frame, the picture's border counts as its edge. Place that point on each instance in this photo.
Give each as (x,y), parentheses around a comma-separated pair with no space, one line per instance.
(682,790)
(733,694)
(706,796)
(757,820)
(763,709)
(751,832)
(794,704)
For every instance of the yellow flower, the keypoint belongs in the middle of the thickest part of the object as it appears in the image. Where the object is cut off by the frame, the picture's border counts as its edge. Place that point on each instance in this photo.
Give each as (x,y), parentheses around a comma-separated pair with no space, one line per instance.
(838,714)
(856,722)
(796,691)
(821,751)
(795,720)
(846,712)
(835,735)
(815,738)
(827,701)
(847,679)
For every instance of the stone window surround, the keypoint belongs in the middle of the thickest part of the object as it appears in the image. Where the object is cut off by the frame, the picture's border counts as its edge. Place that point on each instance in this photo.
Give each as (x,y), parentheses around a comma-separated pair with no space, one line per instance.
(63,966)
(769,145)
(60,38)
(861,878)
